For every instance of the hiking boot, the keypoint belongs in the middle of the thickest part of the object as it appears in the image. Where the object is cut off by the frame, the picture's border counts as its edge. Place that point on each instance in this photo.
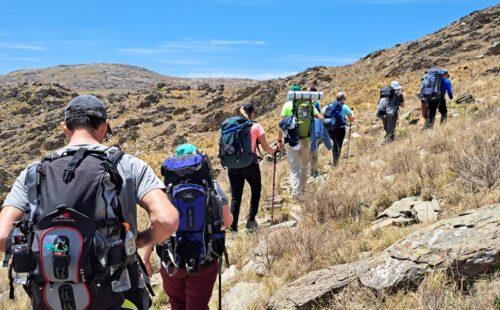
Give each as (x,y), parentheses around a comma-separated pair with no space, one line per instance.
(251,225)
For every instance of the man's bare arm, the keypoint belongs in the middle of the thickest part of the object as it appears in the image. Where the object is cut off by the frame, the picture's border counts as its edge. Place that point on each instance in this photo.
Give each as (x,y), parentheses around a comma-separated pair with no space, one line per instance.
(8,216)
(163,217)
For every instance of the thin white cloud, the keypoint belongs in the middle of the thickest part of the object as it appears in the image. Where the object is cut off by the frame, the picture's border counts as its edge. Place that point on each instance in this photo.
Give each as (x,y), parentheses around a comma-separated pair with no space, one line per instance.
(190,45)
(22,46)
(249,75)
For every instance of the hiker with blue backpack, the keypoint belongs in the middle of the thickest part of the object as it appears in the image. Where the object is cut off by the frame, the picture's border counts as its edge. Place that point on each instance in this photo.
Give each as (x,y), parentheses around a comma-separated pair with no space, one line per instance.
(433,88)
(294,135)
(240,137)
(191,260)
(334,118)
(391,99)
(75,214)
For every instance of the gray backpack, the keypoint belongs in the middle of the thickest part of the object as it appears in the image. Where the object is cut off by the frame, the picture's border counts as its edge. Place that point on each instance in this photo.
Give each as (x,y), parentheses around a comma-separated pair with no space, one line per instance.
(387,103)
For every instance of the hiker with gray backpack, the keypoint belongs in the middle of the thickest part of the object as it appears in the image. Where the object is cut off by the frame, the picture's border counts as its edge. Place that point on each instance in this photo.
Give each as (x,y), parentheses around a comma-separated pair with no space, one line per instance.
(239,140)
(433,87)
(391,99)
(192,259)
(74,214)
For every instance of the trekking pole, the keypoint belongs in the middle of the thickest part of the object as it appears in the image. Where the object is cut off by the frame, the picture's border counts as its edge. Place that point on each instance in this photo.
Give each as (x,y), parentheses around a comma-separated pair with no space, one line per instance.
(349,141)
(274,185)
(220,282)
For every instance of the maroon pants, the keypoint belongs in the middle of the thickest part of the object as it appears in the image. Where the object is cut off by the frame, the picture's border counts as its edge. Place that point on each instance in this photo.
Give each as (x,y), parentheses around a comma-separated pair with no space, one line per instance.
(190,291)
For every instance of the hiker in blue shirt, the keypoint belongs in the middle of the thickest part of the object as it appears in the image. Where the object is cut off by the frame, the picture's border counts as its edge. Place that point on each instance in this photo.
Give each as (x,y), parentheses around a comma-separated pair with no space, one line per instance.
(439,104)
(336,130)
(445,88)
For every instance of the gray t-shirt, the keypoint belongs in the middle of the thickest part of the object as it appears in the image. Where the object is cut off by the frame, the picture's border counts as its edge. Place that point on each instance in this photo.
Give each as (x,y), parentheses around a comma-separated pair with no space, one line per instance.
(138,180)
(220,193)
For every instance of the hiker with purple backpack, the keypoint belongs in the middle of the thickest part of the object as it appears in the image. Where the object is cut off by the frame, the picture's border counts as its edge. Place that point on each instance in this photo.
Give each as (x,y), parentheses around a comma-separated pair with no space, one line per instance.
(192,259)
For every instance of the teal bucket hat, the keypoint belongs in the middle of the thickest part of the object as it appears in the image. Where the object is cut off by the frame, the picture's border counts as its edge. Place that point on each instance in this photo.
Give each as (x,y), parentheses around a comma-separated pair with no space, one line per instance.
(186,149)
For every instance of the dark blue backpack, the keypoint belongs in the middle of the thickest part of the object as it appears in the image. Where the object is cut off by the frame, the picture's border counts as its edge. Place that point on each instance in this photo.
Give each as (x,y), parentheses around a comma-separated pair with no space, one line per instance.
(430,85)
(199,238)
(333,118)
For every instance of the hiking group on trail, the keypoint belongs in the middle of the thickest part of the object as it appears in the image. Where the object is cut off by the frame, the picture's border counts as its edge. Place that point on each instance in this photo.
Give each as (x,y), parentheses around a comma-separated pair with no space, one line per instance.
(69,227)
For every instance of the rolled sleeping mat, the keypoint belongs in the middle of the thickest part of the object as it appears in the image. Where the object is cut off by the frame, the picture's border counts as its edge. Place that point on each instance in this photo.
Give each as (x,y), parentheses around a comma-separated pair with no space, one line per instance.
(304,95)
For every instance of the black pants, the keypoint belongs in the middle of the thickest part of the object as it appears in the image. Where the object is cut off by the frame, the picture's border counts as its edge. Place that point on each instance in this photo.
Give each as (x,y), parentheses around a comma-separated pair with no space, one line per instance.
(390,127)
(433,107)
(237,179)
(337,136)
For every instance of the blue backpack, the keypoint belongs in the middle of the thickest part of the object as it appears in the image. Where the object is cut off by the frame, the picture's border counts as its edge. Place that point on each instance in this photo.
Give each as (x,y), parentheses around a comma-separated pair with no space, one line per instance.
(199,238)
(333,118)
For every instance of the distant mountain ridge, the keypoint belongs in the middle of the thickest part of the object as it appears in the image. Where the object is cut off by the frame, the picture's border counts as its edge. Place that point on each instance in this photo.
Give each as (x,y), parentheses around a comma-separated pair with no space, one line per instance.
(104,77)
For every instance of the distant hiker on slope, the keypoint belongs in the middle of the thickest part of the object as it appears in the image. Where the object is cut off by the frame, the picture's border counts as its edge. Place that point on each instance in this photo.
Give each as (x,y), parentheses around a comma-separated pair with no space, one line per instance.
(82,200)
(319,135)
(391,99)
(295,129)
(190,259)
(335,114)
(433,87)
(240,137)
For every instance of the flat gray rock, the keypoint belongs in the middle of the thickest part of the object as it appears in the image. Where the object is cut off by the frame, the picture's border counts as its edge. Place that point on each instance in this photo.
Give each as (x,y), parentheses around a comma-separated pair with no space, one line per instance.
(408,211)
(467,245)
(241,296)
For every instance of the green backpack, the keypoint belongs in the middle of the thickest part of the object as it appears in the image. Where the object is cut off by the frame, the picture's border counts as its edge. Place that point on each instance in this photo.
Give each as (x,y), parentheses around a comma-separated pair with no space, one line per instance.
(235,144)
(304,112)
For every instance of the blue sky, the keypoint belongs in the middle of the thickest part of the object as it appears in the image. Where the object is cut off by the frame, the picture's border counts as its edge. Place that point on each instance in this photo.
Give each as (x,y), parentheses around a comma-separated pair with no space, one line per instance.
(215,38)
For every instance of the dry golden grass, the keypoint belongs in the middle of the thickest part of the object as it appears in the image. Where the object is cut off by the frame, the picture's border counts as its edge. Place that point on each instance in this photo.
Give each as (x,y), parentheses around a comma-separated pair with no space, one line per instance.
(337,213)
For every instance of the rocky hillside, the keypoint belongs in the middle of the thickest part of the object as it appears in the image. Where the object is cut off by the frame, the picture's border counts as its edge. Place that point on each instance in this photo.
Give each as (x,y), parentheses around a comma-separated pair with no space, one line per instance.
(104,77)
(165,111)
(375,242)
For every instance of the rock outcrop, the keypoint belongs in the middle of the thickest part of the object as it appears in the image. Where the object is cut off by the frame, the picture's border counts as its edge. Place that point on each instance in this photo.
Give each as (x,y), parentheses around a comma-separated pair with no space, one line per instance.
(466,246)
(408,211)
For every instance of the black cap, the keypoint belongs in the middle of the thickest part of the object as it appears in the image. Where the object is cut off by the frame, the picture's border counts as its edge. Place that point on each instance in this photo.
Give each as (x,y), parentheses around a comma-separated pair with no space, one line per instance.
(249,108)
(86,105)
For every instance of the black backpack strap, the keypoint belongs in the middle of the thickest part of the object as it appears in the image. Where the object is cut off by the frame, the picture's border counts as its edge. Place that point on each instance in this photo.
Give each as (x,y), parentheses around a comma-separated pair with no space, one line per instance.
(145,276)
(114,154)
(295,108)
(33,180)
(69,172)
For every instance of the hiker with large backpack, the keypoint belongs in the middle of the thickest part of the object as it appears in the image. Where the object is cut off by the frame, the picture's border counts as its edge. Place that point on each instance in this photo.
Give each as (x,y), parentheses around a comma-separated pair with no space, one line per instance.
(391,99)
(334,118)
(75,217)
(191,260)
(239,140)
(294,135)
(433,86)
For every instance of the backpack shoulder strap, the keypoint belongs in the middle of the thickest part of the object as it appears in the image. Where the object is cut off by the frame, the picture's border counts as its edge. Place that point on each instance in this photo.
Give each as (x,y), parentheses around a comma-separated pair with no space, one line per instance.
(114,154)
(69,172)
(295,108)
